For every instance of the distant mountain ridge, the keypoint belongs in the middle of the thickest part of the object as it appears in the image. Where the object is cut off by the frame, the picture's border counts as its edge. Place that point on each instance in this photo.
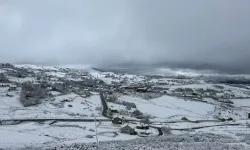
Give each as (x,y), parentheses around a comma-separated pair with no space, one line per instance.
(218,68)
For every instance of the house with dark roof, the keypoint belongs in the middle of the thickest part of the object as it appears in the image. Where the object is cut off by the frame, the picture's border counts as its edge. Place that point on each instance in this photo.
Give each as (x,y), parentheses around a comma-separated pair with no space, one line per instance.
(117,120)
(128,129)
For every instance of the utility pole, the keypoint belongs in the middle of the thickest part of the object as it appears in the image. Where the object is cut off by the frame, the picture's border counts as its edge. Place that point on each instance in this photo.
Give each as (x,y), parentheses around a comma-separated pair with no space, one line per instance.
(97,142)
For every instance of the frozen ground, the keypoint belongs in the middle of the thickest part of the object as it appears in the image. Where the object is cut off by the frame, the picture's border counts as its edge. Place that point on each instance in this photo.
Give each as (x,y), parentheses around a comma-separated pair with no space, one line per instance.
(168,108)
(76,107)
(242,102)
(47,133)
(203,129)
(171,142)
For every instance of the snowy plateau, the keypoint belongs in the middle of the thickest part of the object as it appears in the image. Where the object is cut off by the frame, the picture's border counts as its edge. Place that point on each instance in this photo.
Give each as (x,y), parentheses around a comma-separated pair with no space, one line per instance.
(72,107)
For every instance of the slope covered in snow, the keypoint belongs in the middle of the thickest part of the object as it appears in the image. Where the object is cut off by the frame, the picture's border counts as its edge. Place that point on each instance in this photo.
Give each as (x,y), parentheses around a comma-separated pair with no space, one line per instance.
(67,107)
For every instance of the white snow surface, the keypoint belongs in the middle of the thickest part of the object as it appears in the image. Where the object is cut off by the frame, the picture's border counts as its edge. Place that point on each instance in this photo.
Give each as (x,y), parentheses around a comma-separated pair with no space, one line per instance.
(164,109)
(168,107)
(15,139)
(242,102)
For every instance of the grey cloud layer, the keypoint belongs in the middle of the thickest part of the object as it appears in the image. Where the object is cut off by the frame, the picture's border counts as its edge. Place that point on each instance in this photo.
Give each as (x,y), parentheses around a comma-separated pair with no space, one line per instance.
(212,32)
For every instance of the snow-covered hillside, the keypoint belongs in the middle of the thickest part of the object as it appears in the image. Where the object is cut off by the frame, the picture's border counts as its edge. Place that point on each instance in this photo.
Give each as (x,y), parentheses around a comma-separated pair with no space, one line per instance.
(60,106)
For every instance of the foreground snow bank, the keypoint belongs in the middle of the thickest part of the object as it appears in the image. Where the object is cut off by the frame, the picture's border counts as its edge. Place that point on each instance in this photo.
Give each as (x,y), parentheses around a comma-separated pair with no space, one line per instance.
(12,140)
(173,142)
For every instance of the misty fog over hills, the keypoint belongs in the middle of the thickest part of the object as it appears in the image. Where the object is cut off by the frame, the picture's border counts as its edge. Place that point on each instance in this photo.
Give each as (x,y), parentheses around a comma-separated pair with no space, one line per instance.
(194,34)
(199,67)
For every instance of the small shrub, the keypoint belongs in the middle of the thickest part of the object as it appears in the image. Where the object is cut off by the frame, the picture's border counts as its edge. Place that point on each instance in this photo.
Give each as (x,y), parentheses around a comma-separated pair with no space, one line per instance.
(129,104)
(91,130)
(123,112)
(112,98)
(89,136)
(184,119)
(3,78)
(128,107)
(166,130)
(137,113)
(222,119)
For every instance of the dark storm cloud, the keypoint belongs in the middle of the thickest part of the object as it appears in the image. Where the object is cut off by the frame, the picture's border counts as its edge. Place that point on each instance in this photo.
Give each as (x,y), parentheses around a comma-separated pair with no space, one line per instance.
(194,33)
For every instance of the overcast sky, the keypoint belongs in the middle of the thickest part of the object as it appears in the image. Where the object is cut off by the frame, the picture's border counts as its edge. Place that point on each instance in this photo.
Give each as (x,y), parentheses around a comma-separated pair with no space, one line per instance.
(126,31)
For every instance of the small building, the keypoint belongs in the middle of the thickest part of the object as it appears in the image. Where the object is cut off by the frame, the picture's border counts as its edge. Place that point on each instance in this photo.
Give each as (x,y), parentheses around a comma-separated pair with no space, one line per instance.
(117,120)
(112,110)
(126,128)
(178,90)
(143,134)
(141,90)
(49,88)
(143,127)
(219,86)
(12,88)
(83,96)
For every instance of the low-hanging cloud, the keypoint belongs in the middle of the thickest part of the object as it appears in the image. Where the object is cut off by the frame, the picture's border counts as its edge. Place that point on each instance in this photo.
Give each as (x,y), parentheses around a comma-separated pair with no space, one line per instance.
(192,33)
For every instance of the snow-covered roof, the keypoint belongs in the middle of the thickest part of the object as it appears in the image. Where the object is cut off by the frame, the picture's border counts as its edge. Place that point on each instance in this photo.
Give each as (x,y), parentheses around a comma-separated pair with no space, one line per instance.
(118,116)
(13,86)
(126,124)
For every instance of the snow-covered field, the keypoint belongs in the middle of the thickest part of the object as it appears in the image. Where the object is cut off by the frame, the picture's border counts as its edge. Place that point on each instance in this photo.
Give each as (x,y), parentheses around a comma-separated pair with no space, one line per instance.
(76,118)
(168,108)
(198,141)
(76,107)
(242,102)
(38,134)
